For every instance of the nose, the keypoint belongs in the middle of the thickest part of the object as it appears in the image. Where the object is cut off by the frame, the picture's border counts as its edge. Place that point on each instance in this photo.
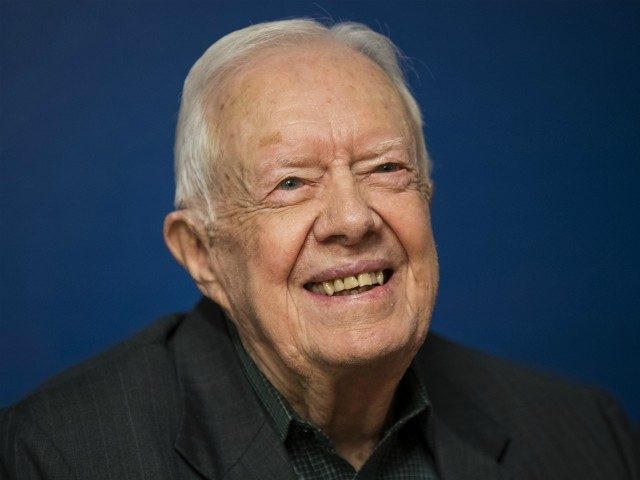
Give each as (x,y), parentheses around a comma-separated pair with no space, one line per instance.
(346,216)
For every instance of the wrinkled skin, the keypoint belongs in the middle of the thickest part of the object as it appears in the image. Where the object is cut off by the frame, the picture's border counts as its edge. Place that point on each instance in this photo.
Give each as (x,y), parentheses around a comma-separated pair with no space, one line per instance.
(319,174)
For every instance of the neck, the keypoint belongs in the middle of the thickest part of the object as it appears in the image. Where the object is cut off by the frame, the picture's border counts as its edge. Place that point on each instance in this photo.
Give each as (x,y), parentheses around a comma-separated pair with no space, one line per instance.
(352,405)
(352,410)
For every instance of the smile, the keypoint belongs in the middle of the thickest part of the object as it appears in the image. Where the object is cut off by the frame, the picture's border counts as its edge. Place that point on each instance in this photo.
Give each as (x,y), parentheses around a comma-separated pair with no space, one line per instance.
(350,285)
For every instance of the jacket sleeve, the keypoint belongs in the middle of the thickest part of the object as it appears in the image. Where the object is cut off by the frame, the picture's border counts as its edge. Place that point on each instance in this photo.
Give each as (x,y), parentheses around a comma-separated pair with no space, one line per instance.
(26,452)
(622,433)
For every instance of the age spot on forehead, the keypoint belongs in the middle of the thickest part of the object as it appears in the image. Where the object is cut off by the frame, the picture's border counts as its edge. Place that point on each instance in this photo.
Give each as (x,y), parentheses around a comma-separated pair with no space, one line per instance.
(270,139)
(230,101)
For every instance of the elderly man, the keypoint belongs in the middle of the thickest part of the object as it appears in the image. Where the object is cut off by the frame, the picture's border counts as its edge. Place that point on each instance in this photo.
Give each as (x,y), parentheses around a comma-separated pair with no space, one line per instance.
(303,196)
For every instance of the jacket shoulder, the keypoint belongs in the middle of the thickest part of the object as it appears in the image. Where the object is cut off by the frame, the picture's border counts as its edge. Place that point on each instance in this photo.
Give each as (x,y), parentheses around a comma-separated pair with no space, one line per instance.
(547,417)
(481,374)
(156,335)
(121,401)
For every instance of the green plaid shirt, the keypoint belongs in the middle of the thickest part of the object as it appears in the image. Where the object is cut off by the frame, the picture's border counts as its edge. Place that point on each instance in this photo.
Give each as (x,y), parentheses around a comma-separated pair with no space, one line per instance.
(401,454)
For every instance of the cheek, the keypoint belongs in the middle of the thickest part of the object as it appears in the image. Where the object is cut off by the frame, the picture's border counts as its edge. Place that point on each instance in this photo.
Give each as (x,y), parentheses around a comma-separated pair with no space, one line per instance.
(410,220)
(273,252)
(274,245)
(408,217)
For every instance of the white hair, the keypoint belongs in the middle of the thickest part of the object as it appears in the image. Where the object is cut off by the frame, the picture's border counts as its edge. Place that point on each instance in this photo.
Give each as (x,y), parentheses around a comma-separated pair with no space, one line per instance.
(198,146)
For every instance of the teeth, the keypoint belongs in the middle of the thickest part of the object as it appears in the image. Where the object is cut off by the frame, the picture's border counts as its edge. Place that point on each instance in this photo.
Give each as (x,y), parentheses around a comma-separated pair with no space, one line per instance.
(350,282)
(331,287)
(328,288)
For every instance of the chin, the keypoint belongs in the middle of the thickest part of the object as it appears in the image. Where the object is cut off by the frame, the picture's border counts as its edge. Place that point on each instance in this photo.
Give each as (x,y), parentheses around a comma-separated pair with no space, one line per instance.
(370,345)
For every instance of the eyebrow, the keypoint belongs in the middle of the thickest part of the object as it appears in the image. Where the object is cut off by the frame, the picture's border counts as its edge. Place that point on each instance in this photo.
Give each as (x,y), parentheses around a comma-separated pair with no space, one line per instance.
(384,147)
(289,160)
(269,165)
(285,160)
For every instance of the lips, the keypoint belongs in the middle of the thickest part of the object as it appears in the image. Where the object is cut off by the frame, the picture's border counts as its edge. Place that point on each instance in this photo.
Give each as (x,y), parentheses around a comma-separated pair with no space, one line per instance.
(350,284)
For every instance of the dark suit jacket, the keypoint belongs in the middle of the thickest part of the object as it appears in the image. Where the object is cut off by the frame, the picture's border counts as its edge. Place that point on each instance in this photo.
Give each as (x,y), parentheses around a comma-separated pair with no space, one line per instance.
(173,402)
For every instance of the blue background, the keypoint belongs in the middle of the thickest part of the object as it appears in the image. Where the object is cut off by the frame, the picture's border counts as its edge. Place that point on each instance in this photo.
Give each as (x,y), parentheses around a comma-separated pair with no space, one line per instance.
(532,117)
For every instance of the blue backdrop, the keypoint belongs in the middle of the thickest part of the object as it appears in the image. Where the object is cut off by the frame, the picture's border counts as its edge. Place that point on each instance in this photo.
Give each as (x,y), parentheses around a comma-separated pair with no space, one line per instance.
(532,117)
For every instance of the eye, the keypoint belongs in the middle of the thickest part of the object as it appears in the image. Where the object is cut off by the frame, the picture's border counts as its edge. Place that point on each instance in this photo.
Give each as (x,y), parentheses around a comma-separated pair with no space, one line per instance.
(388,168)
(290,183)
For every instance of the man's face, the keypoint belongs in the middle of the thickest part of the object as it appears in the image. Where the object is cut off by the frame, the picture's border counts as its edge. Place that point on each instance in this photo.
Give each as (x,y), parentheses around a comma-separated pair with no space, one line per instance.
(320,185)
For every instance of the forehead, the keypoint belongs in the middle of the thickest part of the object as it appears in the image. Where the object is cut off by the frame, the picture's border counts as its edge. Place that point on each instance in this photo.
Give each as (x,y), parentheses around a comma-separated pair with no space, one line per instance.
(306,90)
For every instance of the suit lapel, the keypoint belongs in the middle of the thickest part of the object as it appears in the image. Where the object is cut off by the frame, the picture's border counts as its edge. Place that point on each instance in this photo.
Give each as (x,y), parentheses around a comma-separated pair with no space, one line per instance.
(224,432)
(261,460)
(465,441)
(456,457)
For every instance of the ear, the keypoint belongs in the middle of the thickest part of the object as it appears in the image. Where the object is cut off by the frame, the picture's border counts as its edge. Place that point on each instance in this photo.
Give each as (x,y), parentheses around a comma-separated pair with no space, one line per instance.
(189,244)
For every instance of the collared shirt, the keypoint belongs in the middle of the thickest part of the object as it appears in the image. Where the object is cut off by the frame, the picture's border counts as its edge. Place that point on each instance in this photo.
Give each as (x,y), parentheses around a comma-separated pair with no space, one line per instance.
(402,453)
